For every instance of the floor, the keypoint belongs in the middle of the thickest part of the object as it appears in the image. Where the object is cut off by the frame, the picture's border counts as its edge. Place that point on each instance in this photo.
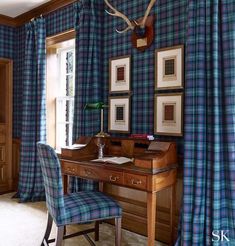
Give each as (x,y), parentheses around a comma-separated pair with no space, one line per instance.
(23,224)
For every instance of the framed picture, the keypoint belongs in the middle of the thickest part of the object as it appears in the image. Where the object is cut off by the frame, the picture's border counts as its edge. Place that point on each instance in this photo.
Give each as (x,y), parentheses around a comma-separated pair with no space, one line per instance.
(119,114)
(169,68)
(119,74)
(168,115)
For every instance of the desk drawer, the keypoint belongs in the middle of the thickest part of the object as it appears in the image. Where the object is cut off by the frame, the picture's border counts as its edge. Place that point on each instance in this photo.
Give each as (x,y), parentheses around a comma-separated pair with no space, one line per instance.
(90,173)
(114,177)
(69,168)
(135,181)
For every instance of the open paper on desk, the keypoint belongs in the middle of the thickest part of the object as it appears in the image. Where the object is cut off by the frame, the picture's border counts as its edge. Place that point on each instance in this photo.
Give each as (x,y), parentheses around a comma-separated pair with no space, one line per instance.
(75,146)
(114,160)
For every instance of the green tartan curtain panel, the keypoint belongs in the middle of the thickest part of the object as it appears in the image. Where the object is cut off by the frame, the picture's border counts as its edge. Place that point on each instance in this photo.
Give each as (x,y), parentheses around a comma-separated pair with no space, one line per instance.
(33,112)
(88,79)
(89,65)
(209,165)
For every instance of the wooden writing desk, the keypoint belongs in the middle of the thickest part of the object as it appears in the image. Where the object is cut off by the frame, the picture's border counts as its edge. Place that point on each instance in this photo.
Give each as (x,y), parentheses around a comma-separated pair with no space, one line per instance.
(151,171)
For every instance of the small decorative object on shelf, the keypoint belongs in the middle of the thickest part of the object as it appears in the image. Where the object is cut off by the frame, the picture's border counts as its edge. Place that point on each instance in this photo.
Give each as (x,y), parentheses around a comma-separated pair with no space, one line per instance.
(150,137)
(142,136)
(101,106)
(100,143)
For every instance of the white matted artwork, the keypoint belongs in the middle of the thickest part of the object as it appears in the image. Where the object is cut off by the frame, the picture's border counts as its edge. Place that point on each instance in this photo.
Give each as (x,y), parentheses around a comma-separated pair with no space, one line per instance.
(119,74)
(169,68)
(168,115)
(119,114)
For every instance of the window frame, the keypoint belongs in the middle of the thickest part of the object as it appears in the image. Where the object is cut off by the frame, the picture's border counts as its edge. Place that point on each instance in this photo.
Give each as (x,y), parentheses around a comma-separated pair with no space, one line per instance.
(53,44)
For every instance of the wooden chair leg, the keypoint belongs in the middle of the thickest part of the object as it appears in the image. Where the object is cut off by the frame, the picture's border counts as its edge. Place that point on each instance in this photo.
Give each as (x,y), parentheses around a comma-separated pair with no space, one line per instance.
(48,229)
(118,231)
(59,236)
(97,225)
(65,230)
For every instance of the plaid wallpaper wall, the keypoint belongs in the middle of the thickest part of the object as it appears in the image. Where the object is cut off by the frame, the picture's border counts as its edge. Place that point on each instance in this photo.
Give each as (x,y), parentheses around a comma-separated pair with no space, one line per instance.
(18,79)
(7,38)
(60,20)
(170,28)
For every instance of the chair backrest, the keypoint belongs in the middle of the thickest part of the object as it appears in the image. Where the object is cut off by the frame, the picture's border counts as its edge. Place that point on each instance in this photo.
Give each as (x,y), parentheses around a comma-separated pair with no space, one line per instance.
(52,177)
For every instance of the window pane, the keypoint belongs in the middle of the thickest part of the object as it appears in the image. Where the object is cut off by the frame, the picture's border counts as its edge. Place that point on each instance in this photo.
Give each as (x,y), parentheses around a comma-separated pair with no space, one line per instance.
(69,62)
(67,135)
(69,85)
(65,109)
(65,99)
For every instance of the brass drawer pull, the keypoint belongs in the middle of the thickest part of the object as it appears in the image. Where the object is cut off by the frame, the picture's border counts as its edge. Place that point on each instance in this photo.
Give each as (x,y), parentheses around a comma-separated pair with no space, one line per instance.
(134,182)
(70,170)
(88,172)
(113,179)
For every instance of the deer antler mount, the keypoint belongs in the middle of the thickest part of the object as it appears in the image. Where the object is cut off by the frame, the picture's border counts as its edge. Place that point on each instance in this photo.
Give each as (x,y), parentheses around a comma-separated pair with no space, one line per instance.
(142,29)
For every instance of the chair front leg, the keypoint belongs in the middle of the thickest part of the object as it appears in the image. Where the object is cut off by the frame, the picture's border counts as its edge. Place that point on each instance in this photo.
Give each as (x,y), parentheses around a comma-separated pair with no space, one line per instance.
(59,236)
(97,225)
(118,231)
(48,229)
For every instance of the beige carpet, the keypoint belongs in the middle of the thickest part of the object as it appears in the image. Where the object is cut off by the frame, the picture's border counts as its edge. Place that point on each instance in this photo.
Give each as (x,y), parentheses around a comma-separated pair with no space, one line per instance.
(23,224)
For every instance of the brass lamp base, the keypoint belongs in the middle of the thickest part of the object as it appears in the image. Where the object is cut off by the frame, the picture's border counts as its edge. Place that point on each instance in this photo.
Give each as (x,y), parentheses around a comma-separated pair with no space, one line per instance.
(102,134)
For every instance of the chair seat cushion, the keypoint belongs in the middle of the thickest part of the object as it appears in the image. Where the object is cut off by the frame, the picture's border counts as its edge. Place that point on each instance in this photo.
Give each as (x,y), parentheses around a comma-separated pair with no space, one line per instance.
(85,206)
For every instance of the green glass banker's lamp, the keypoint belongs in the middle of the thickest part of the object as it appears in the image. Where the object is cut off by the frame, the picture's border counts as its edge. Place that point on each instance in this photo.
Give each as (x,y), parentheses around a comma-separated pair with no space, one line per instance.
(101,106)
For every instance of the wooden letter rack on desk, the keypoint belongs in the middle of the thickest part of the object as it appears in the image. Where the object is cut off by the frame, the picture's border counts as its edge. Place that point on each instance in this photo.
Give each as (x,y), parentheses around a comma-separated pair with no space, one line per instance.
(153,169)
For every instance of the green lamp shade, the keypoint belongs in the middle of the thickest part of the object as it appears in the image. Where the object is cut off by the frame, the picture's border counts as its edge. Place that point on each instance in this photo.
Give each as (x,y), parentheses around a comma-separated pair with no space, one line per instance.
(101,106)
(98,105)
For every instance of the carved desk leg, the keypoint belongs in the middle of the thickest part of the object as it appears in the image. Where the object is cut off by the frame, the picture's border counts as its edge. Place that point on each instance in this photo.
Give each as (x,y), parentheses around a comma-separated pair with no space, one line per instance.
(151,217)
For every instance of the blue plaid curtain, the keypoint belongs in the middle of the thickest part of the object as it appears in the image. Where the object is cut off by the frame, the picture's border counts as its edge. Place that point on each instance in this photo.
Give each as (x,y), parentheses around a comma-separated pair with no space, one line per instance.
(209,166)
(33,111)
(88,81)
(89,65)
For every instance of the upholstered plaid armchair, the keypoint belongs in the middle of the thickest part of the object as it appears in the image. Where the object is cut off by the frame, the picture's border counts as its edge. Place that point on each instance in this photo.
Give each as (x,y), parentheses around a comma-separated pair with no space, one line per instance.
(75,208)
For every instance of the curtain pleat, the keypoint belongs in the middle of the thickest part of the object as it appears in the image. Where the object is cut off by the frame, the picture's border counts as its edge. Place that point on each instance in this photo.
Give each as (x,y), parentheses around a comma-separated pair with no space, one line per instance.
(89,75)
(89,66)
(208,209)
(31,186)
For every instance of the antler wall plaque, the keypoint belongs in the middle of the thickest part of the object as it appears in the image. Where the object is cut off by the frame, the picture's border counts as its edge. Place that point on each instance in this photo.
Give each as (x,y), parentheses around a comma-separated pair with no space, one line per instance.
(142,29)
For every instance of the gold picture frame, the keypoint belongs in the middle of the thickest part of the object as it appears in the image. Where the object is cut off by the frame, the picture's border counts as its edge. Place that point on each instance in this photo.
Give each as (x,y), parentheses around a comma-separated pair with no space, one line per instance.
(120,74)
(119,114)
(169,68)
(168,114)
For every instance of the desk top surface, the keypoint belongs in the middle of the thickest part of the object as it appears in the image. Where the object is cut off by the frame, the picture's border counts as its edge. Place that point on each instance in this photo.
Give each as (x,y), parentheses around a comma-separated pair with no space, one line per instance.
(148,157)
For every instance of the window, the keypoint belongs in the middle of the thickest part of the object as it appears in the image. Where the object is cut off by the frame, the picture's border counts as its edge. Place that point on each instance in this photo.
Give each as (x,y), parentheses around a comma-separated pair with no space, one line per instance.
(65,98)
(60,89)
